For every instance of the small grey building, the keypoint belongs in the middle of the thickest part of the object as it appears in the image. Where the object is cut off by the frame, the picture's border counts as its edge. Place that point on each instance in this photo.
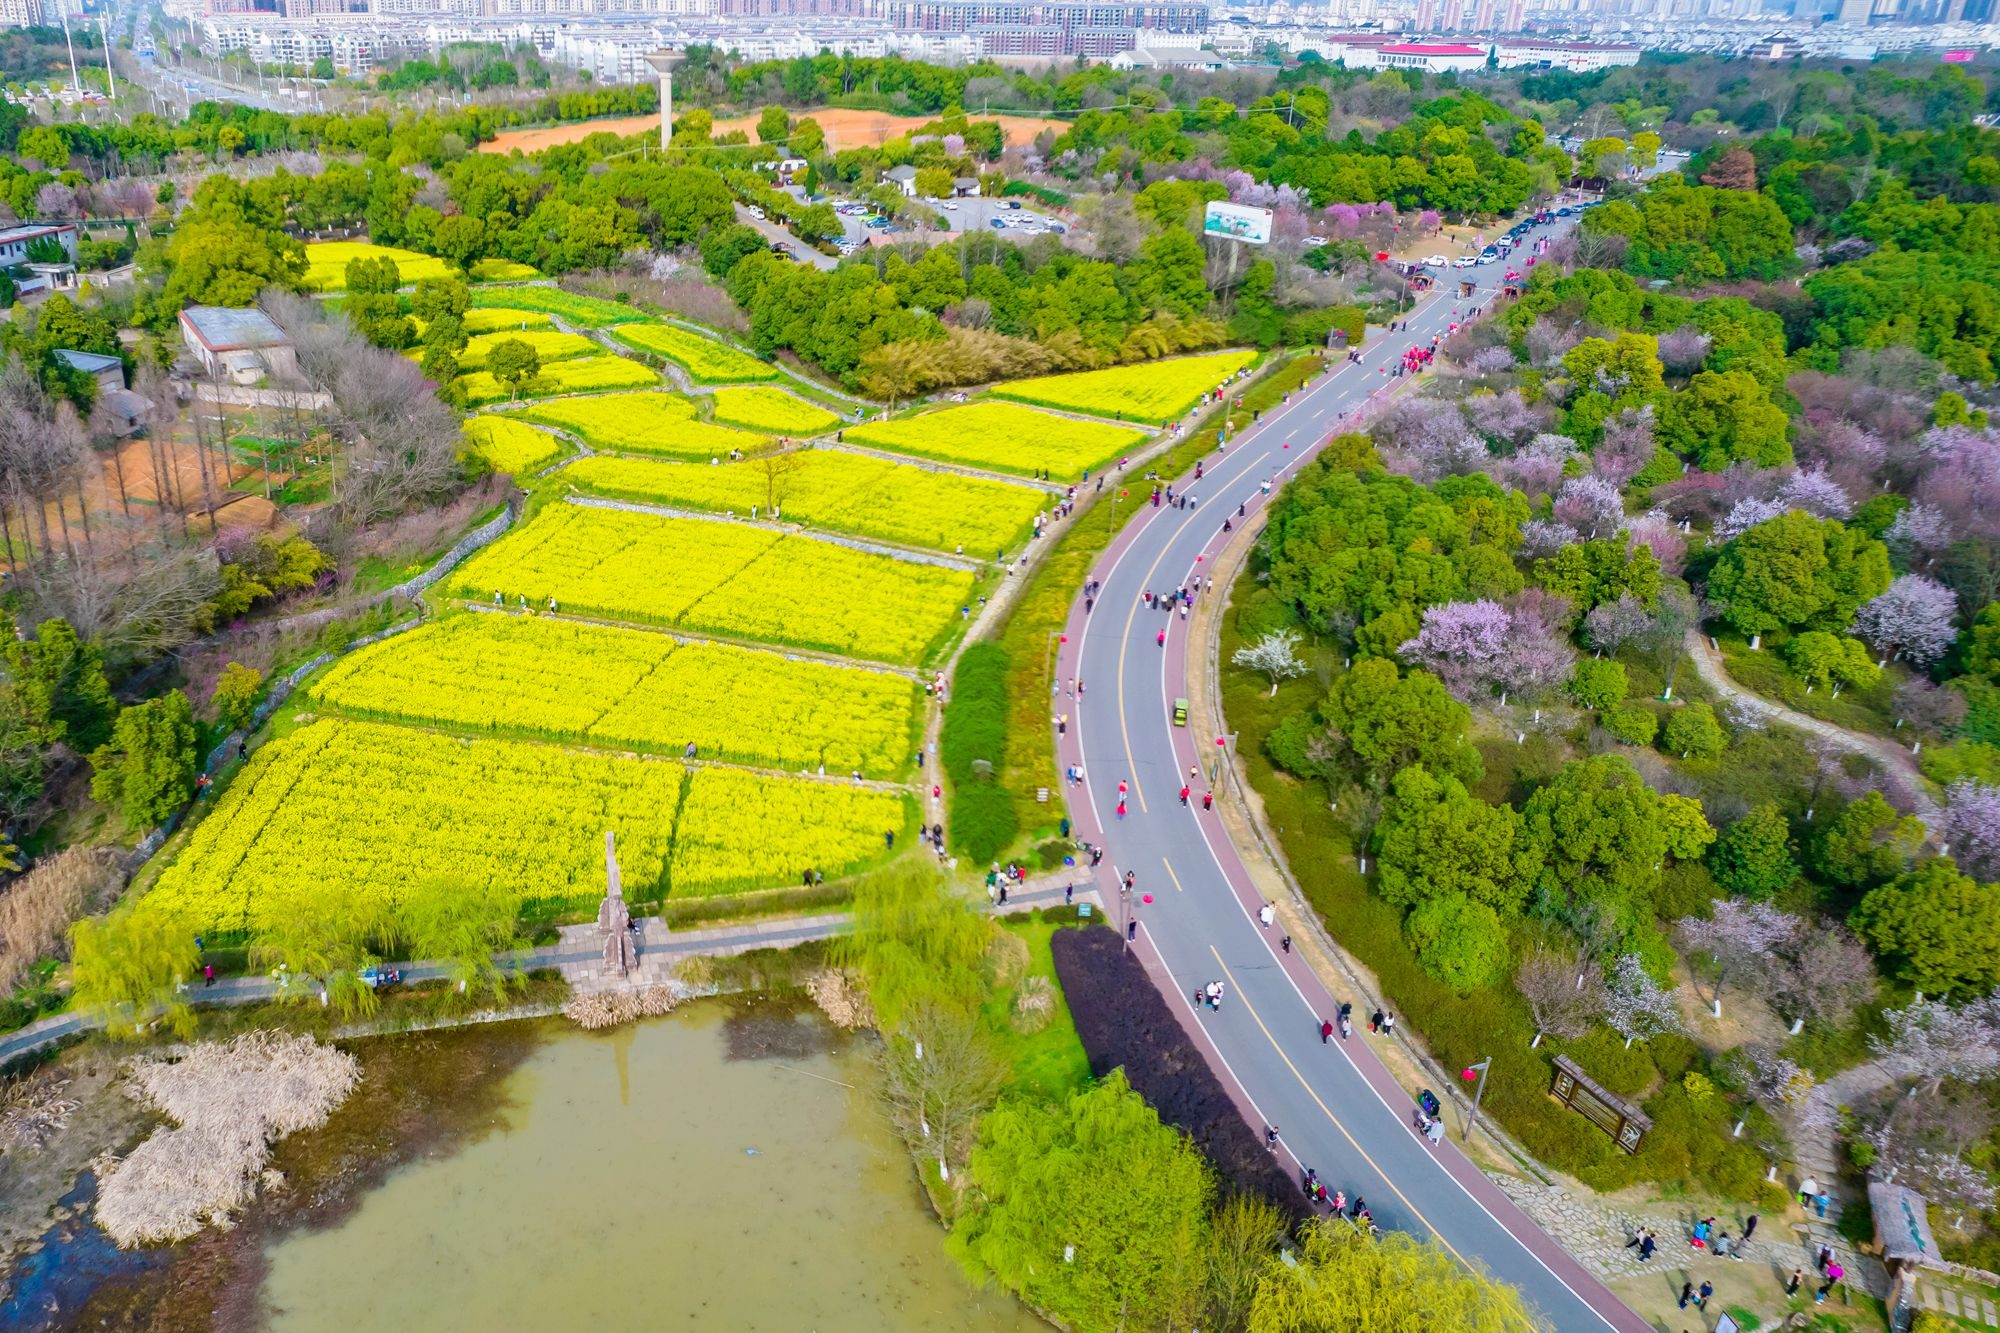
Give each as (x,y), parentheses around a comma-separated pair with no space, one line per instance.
(108,371)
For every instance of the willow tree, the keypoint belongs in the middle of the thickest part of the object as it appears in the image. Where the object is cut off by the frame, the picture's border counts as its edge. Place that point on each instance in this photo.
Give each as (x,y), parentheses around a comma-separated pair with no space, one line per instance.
(1392,1284)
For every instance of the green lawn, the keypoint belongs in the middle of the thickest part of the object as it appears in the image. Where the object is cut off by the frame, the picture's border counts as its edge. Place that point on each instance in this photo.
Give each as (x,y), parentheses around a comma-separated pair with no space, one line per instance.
(1050,1063)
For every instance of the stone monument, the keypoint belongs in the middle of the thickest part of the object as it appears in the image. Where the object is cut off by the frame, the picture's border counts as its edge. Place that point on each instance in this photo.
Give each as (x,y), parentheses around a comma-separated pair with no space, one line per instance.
(621,950)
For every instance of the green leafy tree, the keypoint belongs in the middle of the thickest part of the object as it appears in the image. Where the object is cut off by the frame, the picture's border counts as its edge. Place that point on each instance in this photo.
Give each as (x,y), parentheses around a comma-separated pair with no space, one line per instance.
(1596,826)
(1092,1210)
(774,125)
(1458,941)
(1434,837)
(1723,418)
(235,696)
(439,298)
(1390,721)
(1632,724)
(1170,274)
(322,944)
(1243,1236)
(1686,829)
(1693,732)
(128,967)
(1597,682)
(462,925)
(933,183)
(148,767)
(222,262)
(1797,572)
(60,678)
(915,940)
(1821,659)
(1935,928)
(1866,844)
(1393,1283)
(513,363)
(1753,857)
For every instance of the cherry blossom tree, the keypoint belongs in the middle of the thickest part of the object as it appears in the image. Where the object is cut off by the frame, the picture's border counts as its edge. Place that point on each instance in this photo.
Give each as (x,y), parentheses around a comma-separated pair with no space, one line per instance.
(1683,350)
(1544,537)
(1847,451)
(1821,974)
(1816,493)
(1626,446)
(1548,341)
(1504,418)
(1660,535)
(1462,644)
(1612,625)
(1591,505)
(1539,657)
(1962,478)
(1912,618)
(1931,710)
(1745,515)
(1274,656)
(1930,1040)
(1635,1005)
(1920,531)
(1972,828)
(1429,439)
(1736,936)
(1537,466)
(1560,993)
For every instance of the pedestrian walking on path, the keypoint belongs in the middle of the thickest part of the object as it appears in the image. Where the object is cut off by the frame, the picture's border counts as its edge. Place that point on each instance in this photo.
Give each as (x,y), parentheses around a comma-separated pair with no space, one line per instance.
(1388,1024)
(1796,1280)
(1375,1021)
(1749,1228)
(1266,915)
(1687,1294)
(1325,1031)
(1701,1298)
(1208,800)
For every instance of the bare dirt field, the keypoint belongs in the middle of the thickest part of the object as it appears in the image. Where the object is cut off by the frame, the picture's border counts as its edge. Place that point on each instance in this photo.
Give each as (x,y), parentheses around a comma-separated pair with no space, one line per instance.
(844,129)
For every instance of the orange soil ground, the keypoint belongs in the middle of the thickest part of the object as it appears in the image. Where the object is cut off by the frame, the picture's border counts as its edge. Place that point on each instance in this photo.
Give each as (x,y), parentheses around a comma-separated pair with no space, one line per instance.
(844,129)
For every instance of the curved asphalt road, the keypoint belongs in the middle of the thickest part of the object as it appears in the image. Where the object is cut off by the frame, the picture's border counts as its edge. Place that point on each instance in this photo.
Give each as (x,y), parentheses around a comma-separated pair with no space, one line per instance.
(1338,1108)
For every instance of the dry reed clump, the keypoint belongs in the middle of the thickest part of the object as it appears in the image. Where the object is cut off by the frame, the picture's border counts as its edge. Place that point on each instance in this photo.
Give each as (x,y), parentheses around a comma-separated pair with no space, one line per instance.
(231,1099)
(34,1110)
(36,911)
(1034,1005)
(840,999)
(609,1008)
(1006,959)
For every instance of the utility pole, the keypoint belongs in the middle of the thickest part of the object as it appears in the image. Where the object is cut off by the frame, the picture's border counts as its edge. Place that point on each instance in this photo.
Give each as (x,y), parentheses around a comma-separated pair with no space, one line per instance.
(110,79)
(1478,1091)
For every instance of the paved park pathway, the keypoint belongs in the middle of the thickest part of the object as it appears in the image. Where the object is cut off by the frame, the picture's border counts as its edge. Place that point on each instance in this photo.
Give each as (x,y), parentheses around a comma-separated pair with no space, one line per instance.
(1894,759)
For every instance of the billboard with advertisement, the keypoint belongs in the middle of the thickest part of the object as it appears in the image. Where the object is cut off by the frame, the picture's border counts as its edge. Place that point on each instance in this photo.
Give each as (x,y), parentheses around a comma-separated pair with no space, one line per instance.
(1237,223)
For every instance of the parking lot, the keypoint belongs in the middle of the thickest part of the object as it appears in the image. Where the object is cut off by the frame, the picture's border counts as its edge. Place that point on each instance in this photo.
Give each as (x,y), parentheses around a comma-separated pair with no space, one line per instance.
(974,214)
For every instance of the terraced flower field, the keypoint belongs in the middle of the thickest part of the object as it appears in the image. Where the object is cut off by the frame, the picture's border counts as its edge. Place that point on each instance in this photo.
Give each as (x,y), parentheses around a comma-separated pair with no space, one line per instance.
(831,489)
(511,446)
(368,811)
(502,270)
(742,830)
(724,578)
(1002,437)
(585,374)
(582,311)
(705,360)
(772,411)
(499,319)
(661,424)
(549,678)
(1150,391)
(549,345)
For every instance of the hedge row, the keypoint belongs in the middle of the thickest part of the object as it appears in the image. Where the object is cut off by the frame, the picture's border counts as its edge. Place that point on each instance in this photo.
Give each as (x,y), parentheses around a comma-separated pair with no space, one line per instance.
(1124,1022)
(983,819)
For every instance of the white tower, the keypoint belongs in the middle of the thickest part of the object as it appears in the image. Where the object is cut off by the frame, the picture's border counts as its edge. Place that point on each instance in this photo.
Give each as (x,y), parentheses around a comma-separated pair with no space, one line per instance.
(663,63)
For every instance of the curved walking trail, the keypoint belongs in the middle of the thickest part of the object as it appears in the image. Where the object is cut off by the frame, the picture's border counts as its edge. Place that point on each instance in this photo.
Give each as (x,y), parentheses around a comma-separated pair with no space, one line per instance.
(1714,672)
(1340,1110)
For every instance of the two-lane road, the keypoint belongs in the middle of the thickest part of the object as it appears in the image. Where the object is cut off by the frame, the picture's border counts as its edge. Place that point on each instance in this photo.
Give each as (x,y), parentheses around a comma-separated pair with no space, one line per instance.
(1337,1108)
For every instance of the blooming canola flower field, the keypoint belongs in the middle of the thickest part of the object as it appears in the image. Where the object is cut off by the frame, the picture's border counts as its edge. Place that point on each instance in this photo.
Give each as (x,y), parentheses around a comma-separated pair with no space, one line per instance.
(827,488)
(367,811)
(584,374)
(661,424)
(706,360)
(1002,437)
(1152,391)
(773,411)
(556,679)
(731,579)
(511,446)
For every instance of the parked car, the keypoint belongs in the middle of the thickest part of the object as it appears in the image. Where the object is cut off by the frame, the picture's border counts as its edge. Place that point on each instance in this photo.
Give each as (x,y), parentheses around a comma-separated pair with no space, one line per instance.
(998,224)
(1014,204)
(1465,261)
(1315,240)
(1434,261)
(947,205)
(1489,254)
(756,212)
